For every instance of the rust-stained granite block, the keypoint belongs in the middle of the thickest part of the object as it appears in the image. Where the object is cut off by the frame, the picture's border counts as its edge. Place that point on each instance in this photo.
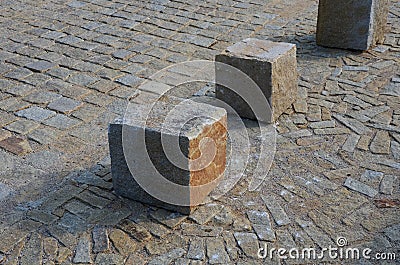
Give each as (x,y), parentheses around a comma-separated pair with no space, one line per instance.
(197,130)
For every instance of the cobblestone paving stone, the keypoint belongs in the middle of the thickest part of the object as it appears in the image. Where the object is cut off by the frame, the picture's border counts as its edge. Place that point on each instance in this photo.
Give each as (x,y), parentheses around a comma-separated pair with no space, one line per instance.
(67,69)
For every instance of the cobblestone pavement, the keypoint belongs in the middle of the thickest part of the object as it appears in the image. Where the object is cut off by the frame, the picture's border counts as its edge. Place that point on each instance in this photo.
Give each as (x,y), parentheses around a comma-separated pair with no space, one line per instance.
(67,69)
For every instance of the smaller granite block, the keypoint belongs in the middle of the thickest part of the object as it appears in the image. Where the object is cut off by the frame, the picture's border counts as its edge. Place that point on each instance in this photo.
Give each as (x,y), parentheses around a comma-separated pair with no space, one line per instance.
(351,24)
(273,68)
(182,140)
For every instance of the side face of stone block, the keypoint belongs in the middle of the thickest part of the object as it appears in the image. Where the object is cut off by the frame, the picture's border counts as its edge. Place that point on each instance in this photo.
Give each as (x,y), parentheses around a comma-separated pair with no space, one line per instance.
(203,164)
(351,24)
(271,65)
(381,8)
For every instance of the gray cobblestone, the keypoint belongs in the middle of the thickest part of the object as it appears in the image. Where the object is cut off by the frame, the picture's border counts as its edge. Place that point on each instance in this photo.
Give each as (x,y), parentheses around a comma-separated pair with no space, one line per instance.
(61,122)
(276,210)
(64,105)
(36,113)
(40,66)
(360,187)
(83,250)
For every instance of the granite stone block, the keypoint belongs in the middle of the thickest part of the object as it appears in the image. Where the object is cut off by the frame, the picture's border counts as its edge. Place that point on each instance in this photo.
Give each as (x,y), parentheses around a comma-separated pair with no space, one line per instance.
(182,140)
(273,68)
(351,24)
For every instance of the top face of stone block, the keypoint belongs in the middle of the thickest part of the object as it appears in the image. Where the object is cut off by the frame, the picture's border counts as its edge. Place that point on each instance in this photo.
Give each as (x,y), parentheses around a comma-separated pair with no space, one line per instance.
(170,115)
(263,50)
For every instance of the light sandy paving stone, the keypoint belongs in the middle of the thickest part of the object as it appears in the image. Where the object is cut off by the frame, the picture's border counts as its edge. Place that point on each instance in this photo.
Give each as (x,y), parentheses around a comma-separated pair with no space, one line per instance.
(387,184)
(216,251)
(381,143)
(351,142)
(358,186)
(364,142)
(314,113)
(300,106)
(83,250)
(277,212)
(122,242)
(205,213)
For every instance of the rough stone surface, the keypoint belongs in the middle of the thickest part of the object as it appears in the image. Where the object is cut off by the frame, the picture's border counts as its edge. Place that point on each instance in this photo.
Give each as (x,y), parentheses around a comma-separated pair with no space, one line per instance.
(360,187)
(204,168)
(72,164)
(83,250)
(354,25)
(272,66)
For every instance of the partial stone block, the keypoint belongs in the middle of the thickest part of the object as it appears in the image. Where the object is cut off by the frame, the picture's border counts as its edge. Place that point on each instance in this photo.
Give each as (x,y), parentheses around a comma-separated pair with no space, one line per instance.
(273,68)
(351,24)
(168,152)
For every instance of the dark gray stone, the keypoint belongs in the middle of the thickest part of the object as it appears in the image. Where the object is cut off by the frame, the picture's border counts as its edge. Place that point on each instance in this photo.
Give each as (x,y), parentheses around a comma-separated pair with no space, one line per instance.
(354,24)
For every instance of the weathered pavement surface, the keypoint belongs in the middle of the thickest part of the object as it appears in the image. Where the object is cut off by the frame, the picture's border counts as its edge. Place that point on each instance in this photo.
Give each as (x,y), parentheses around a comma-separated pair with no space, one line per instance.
(67,69)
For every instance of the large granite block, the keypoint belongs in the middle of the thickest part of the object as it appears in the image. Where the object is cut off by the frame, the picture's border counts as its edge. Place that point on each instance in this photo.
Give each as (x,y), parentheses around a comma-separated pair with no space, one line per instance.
(273,68)
(351,24)
(161,143)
